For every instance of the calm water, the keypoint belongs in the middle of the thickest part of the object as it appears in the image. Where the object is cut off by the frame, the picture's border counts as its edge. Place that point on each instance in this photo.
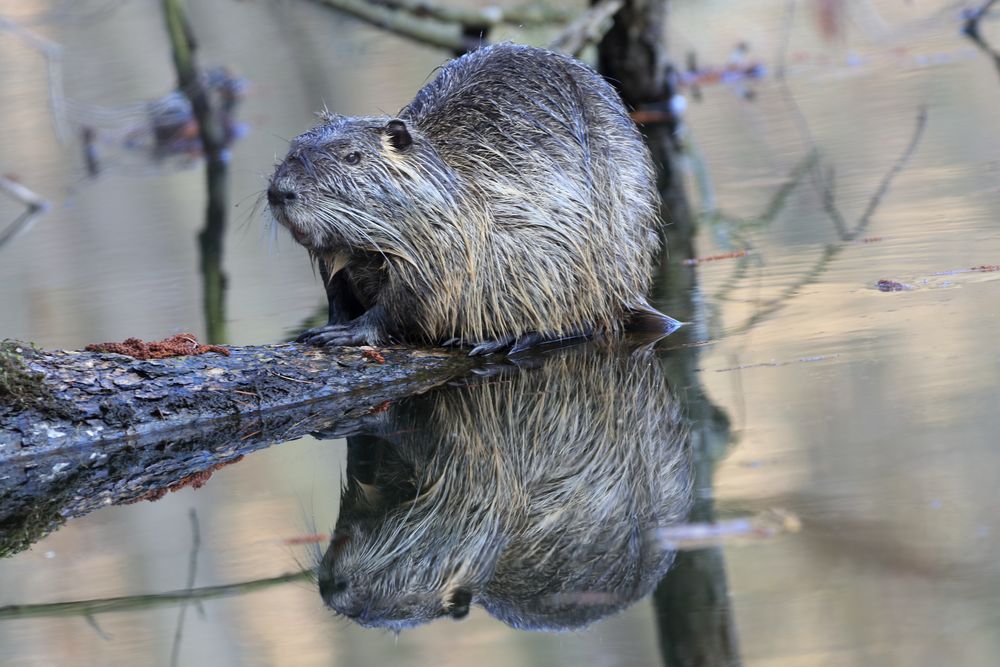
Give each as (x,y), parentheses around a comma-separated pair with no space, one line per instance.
(870,415)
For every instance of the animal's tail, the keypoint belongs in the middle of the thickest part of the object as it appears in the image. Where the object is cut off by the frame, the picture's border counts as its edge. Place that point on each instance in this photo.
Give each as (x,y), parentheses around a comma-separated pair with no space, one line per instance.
(647,320)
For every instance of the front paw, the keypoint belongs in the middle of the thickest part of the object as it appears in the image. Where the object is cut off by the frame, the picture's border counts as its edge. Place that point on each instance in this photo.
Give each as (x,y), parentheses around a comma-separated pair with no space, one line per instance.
(332,335)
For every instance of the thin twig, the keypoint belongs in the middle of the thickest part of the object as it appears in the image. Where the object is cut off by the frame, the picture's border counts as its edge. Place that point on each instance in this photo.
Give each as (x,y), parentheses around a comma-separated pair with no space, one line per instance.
(786,36)
(129,602)
(831,251)
(588,28)
(36,206)
(480,17)
(971,30)
(53,62)
(192,572)
(441,35)
(897,167)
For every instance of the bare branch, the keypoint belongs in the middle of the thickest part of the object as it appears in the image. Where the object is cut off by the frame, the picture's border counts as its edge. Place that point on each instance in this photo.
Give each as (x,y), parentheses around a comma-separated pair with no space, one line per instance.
(432,33)
(588,28)
(883,188)
(831,251)
(53,61)
(89,607)
(971,30)
(34,203)
(480,17)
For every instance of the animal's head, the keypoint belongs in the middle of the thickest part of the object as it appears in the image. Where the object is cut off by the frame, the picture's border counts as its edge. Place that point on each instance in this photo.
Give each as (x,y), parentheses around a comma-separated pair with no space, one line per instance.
(346,185)
(395,566)
(403,593)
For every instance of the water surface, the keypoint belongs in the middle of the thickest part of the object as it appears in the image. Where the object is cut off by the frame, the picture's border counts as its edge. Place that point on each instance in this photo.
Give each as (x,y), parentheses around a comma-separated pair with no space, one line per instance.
(871,415)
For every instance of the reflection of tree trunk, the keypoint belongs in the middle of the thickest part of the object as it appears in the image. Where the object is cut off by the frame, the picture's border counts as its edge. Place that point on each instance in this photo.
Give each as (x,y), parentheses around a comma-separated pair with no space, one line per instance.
(211,240)
(693,614)
(692,603)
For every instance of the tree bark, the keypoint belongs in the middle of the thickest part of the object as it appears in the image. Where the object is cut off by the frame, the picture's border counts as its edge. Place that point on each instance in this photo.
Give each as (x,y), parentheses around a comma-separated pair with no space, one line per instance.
(101,398)
(120,430)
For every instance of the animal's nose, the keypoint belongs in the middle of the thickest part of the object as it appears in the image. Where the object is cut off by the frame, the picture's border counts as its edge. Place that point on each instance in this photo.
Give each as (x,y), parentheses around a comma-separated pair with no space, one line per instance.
(330,586)
(278,197)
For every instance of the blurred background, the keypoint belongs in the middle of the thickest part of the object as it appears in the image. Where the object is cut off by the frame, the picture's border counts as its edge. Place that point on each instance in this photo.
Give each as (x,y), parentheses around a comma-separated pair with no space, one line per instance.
(858,372)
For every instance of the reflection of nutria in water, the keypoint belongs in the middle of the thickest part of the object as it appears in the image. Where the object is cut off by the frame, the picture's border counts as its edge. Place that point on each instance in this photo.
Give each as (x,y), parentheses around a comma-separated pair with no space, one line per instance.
(533,495)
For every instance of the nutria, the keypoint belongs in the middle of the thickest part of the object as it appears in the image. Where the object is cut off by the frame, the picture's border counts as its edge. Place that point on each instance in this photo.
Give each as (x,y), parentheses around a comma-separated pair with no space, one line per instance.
(511,202)
(536,496)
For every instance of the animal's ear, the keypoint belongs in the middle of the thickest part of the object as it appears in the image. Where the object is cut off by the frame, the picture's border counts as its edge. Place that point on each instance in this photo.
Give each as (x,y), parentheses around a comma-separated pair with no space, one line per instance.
(329,117)
(458,603)
(397,134)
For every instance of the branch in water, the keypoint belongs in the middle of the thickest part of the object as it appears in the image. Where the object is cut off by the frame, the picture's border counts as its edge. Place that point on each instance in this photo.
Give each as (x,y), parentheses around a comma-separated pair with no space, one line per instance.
(87,608)
(971,30)
(53,62)
(834,249)
(35,206)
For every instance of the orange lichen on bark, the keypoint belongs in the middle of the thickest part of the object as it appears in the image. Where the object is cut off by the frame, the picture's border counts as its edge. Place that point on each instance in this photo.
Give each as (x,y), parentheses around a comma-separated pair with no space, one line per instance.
(179,345)
(373,355)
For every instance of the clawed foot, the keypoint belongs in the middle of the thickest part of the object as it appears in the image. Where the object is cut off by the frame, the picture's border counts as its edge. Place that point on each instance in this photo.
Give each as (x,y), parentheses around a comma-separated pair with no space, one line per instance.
(352,333)
(491,346)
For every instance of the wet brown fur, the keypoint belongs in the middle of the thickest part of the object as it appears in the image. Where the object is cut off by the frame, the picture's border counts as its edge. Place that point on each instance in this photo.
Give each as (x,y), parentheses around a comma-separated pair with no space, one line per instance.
(518,199)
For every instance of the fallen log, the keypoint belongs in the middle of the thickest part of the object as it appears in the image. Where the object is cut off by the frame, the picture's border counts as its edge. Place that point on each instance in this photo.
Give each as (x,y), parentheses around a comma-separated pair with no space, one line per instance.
(90,429)
(67,399)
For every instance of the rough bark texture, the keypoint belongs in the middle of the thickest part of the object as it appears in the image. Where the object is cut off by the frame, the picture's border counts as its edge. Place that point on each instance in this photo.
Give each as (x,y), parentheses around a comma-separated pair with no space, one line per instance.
(103,398)
(124,430)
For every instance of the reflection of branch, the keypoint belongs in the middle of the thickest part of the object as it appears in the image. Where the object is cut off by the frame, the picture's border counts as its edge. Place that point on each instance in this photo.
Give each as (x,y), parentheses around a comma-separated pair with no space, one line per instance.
(883,188)
(587,29)
(832,250)
(192,572)
(211,239)
(130,602)
(481,17)
(971,30)
(441,35)
(35,207)
(786,36)
(53,61)
(770,212)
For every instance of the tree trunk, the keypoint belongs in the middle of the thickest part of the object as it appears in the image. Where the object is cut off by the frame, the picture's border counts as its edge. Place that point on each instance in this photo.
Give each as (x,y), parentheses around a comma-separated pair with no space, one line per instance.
(633,57)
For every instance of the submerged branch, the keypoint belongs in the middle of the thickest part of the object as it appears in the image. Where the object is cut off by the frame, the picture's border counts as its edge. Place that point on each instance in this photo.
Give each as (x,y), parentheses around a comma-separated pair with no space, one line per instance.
(86,608)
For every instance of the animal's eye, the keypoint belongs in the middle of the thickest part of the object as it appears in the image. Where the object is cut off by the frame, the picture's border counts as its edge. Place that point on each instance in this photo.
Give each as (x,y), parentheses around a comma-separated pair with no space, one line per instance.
(352,158)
